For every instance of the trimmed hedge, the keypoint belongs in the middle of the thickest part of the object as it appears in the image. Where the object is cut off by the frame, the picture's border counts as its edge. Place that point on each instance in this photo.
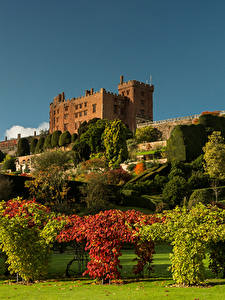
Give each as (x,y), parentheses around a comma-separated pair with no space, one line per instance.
(186,142)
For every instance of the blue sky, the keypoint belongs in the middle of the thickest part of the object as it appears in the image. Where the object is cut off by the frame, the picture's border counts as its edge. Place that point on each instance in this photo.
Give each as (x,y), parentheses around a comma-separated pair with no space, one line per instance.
(50,46)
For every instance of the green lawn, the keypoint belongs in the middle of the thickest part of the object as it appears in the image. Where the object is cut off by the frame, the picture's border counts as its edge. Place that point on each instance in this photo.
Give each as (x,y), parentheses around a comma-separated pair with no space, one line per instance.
(157,287)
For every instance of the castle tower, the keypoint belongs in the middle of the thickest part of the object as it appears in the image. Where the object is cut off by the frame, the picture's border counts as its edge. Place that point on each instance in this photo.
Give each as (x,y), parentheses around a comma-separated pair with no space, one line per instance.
(141,100)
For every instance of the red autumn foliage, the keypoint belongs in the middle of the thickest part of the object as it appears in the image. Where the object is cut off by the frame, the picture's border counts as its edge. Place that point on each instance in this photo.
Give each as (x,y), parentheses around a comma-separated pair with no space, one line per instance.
(105,233)
(117,176)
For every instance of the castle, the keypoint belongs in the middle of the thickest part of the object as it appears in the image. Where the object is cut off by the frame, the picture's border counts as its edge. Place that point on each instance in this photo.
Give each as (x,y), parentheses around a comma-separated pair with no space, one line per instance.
(133,102)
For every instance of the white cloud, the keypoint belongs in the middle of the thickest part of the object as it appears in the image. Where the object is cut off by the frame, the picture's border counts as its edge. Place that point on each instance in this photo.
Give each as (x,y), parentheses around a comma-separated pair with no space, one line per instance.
(16,129)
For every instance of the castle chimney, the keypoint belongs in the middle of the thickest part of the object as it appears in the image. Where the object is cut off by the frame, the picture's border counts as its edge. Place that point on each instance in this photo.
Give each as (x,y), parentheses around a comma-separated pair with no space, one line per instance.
(18,136)
(35,133)
(92,91)
(121,79)
(5,138)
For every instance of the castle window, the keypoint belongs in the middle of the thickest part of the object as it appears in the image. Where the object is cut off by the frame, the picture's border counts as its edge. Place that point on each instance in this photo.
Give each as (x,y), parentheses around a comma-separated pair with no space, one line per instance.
(93,108)
(142,94)
(142,111)
(57,119)
(65,116)
(80,113)
(80,105)
(76,115)
(123,93)
(85,104)
(76,106)
(128,92)
(66,108)
(85,112)
(142,102)
(57,111)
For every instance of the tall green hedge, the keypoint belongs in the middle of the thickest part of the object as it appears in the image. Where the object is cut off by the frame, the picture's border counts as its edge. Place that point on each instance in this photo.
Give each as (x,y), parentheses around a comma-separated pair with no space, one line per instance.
(186,142)
(213,123)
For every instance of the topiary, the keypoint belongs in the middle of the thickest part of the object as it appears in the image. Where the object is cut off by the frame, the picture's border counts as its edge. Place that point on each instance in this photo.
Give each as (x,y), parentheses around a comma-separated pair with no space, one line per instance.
(23,147)
(33,145)
(65,139)
(55,138)
(40,145)
(202,195)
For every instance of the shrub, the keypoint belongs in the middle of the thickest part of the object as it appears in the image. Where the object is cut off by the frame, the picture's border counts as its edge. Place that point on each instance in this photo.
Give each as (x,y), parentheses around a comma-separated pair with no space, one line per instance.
(200,196)
(174,191)
(74,137)
(33,145)
(40,145)
(198,180)
(186,142)
(117,176)
(47,143)
(55,138)
(147,134)
(131,167)
(9,163)
(65,139)
(23,147)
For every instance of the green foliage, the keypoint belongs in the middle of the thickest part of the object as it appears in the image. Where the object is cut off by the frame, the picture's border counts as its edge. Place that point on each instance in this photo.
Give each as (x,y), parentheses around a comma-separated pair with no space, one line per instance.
(26,231)
(93,135)
(175,190)
(131,167)
(200,196)
(147,134)
(186,142)
(213,123)
(23,147)
(214,156)
(33,145)
(198,180)
(198,163)
(40,145)
(9,163)
(47,143)
(81,151)
(217,258)
(74,137)
(189,232)
(115,143)
(65,139)
(55,138)
(175,172)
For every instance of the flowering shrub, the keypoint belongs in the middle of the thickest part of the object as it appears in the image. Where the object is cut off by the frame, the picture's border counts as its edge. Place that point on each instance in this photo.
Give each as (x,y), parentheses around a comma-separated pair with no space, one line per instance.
(26,232)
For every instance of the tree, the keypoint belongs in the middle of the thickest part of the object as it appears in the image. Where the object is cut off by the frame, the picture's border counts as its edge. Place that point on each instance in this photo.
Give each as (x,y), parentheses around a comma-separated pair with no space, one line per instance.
(55,138)
(49,185)
(23,147)
(214,156)
(47,143)
(148,134)
(81,151)
(40,145)
(115,143)
(33,145)
(65,139)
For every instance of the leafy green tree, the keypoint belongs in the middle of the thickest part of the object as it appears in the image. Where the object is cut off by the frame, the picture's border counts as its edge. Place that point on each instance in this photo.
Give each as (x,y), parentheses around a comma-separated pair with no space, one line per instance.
(147,134)
(40,145)
(93,135)
(33,145)
(55,138)
(23,147)
(214,156)
(115,143)
(64,139)
(47,143)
